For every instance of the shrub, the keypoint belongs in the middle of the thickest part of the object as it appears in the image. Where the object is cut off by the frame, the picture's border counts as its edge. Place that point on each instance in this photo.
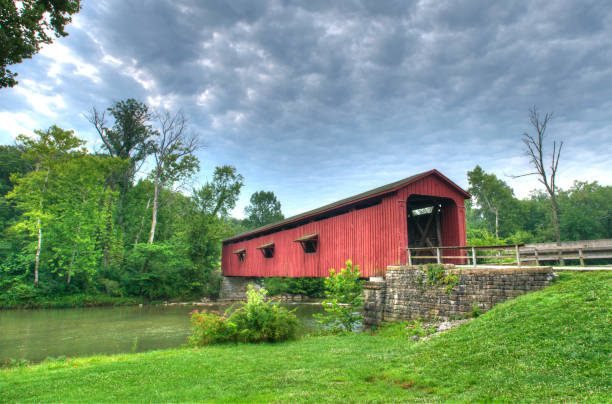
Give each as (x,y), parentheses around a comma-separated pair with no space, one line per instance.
(259,320)
(255,321)
(210,328)
(343,291)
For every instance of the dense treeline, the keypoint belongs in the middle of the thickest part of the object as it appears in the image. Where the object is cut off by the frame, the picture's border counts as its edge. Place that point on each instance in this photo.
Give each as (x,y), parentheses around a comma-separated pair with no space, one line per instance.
(495,215)
(97,225)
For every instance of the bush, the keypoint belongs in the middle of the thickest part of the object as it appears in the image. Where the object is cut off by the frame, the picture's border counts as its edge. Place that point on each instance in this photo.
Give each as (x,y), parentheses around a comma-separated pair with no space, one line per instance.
(255,321)
(210,328)
(343,291)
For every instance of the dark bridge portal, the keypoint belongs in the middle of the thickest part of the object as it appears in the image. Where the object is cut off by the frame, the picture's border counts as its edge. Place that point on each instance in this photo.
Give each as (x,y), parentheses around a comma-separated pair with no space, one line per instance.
(425,223)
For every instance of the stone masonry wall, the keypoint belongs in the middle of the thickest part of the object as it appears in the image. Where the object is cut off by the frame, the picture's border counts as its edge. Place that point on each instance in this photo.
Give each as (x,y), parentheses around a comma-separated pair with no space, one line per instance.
(234,288)
(405,294)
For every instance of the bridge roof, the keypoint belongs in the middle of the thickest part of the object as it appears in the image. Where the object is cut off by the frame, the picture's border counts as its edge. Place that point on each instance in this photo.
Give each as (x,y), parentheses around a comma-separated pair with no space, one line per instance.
(343,203)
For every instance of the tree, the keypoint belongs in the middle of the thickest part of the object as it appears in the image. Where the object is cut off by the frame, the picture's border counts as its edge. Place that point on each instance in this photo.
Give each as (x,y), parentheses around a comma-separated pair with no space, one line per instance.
(130,136)
(27,24)
(50,148)
(587,211)
(78,194)
(174,158)
(264,209)
(534,148)
(129,139)
(493,196)
(209,223)
(219,196)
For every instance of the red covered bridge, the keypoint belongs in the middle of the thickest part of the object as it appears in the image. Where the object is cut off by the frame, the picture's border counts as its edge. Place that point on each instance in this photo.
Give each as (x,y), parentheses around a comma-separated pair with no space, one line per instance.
(372,229)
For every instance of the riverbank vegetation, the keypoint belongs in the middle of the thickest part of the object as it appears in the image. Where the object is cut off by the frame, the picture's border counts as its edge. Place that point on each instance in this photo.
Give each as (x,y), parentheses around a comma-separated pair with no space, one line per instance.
(257,320)
(83,228)
(552,345)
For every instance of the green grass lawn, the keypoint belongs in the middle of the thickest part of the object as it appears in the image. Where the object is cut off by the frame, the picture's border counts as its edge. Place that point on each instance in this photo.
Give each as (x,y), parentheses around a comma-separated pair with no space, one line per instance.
(552,345)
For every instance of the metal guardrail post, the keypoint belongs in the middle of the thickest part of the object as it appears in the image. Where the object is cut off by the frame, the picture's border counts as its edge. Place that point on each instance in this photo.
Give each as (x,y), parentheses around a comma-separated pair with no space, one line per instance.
(409,257)
(438,255)
(518,255)
(473,256)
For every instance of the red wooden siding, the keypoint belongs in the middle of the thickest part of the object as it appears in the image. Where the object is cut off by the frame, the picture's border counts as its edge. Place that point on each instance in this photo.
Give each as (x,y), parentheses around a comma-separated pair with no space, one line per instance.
(373,237)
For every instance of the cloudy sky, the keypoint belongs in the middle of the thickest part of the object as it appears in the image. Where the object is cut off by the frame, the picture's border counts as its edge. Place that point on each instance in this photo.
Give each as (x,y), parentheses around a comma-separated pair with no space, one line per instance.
(319,100)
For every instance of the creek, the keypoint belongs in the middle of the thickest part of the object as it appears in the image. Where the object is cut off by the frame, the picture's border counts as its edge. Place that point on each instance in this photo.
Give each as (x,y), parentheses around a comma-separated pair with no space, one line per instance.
(38,334)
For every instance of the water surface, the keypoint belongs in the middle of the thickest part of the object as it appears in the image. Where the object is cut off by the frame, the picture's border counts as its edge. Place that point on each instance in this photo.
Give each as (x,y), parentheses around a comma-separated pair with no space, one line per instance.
(37,334)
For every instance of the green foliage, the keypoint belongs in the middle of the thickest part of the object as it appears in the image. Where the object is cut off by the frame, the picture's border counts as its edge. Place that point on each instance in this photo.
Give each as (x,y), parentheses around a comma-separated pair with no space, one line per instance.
(436,275)
(586,211)
(62,200)
(343,291)
(159,271)
(255,321)
(263,209)
(130,136)
(25,26)
(129,139)
(209,327)
(219,196)
(495,202)
(312,287)
(259,321)
(35,298)
(208,224)
(92,220)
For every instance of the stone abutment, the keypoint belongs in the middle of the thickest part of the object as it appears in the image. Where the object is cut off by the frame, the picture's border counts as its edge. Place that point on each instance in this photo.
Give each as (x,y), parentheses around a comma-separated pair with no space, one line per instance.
(407,294)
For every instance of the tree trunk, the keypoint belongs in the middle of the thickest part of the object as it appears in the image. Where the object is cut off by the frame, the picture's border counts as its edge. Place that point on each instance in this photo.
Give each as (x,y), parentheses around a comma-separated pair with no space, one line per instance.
(555,219)
(142,221)
(154,216)
(38,248)
(39,227)
(496,223)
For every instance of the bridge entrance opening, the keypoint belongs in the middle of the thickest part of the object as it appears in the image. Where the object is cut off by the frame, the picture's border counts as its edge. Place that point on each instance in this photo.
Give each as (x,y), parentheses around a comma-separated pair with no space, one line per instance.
(424,214)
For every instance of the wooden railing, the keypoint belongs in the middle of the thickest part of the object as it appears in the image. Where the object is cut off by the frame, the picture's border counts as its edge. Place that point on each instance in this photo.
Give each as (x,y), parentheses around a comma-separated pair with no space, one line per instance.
(579,253)
(513,254)
(466,253)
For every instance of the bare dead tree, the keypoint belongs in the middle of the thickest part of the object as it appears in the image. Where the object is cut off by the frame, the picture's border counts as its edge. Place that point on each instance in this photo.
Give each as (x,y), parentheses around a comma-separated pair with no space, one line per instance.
(174,158)
(534,148)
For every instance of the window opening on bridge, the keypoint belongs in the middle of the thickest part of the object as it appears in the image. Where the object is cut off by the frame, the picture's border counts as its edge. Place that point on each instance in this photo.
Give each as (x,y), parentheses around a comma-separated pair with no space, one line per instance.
(241,253)
(309,243)
(267,250)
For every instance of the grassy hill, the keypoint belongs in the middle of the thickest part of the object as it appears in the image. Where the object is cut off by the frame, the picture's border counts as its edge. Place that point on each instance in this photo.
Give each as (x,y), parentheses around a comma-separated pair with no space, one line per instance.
(551,345)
